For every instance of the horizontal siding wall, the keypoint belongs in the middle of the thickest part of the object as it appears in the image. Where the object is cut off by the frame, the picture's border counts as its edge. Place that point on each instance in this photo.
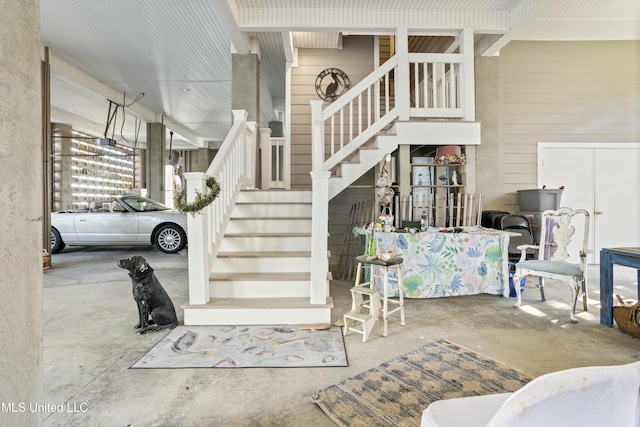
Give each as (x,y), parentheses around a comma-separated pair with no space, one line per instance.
(355,59)
(339,212)
(550,92)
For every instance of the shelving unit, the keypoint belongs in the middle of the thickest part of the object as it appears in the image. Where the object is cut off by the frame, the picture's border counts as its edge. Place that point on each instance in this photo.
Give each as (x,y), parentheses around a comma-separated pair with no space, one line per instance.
(436,199)
(85,171)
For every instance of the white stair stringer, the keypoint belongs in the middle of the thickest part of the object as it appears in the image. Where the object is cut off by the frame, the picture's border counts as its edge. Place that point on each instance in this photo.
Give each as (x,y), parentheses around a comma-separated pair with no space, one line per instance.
(262,274)
(368,158)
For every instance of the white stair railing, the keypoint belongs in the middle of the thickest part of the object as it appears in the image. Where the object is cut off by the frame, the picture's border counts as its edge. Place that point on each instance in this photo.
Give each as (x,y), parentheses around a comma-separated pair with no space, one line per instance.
(424,85)
(234,166)
(439,94)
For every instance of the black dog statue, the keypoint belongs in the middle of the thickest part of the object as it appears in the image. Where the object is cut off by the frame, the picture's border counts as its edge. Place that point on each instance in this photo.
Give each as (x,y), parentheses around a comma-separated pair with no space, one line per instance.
(155,309)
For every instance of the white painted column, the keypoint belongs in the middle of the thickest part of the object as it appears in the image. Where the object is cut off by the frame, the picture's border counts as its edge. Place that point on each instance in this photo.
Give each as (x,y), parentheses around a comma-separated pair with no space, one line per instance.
(467,78)
(402,80)
(198,234)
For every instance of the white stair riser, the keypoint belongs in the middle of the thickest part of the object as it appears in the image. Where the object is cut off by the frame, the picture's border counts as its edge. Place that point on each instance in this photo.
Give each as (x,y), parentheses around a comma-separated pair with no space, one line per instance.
(265,244)
(275,210)
(274,196)
(262,265)
(240,316)
(269,226)
(260,289)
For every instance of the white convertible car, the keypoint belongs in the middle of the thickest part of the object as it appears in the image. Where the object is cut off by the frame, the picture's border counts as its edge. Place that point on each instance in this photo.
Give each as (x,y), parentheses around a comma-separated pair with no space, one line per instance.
(130,220)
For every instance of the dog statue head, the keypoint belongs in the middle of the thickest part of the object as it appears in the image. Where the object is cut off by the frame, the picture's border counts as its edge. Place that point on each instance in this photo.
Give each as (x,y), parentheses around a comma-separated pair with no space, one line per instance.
(136,265)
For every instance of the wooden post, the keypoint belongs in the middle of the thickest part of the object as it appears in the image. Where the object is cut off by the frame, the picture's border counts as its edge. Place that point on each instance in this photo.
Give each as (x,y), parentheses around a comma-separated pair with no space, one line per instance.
(197,228)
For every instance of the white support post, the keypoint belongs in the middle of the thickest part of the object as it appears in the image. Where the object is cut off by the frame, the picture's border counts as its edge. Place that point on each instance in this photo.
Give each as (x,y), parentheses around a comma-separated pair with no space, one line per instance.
(467,80)
(317,136)
(168,185)
(197,227)
(403,174)
(265,154)
(251,140)
(402,90)
(319,234)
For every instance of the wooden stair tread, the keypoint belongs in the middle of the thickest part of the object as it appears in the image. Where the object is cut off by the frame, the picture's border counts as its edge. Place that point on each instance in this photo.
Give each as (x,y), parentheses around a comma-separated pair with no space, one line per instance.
(260,276)
(273,202)
(259,303)
(280,254)
(274,234)
(263,218)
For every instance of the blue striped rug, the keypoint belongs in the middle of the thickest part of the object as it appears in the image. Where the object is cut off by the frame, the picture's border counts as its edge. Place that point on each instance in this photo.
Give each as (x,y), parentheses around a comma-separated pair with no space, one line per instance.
(396,392)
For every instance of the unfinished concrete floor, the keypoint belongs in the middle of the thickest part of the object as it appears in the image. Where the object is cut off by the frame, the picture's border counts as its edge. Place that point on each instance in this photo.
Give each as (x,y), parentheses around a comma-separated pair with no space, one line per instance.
(89,345)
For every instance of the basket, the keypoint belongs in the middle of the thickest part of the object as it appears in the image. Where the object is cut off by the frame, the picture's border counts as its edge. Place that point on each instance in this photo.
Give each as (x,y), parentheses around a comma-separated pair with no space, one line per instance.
(627,317)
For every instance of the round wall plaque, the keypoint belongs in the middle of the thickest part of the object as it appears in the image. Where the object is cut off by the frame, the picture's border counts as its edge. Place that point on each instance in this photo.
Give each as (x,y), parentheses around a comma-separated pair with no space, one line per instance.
(331,84)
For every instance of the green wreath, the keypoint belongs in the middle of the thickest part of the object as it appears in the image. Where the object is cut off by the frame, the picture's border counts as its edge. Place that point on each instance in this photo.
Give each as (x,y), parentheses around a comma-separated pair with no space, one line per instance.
(201,201)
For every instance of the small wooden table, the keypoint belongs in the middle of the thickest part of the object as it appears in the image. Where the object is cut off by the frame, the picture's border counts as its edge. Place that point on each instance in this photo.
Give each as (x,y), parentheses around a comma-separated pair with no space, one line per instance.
(629,257)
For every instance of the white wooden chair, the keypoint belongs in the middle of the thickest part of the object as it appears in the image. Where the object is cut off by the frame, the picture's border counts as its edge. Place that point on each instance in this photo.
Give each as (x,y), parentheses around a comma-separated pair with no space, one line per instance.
(562,254)
(589,396)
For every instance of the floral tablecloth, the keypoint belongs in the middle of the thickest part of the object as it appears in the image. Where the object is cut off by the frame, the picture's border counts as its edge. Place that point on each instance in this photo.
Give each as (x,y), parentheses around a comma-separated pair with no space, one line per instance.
(441,264)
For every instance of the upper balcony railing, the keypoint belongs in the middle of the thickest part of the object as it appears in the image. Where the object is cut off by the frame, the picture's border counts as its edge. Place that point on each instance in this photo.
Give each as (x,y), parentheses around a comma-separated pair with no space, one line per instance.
(427,85)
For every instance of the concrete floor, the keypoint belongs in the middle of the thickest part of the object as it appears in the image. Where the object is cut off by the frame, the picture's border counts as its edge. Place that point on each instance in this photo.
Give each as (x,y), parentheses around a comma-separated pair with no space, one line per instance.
(89,345)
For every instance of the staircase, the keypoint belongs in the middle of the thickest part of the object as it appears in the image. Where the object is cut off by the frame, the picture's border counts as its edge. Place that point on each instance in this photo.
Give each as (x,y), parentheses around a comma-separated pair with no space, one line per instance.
(263,269)
(261,257)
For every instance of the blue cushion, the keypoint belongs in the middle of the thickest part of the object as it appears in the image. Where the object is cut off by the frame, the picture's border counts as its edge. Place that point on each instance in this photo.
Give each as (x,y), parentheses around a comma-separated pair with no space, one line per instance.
(555,267)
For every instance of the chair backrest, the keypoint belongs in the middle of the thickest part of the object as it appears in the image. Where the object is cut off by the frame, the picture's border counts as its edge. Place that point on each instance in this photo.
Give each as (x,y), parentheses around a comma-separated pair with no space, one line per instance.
(564,235)
(487,218)
(590,396)
(518,224)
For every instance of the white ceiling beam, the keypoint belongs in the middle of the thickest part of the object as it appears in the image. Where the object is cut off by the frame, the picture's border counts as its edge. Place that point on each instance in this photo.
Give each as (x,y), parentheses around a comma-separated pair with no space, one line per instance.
(361,19)
(523,16)
(226,14)
(287,43)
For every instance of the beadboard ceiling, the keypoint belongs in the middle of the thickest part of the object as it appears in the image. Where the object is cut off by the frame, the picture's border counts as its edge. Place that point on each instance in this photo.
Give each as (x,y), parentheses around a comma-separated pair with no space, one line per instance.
(178,52)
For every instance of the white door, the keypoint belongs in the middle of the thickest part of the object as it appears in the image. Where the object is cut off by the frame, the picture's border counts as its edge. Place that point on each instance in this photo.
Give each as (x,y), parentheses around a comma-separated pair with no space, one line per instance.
(617,198)
(604,179)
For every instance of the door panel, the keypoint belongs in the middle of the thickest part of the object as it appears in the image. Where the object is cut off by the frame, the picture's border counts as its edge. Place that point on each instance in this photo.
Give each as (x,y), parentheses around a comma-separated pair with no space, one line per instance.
(573,168)
(603,178)
(107,227)
(617,196)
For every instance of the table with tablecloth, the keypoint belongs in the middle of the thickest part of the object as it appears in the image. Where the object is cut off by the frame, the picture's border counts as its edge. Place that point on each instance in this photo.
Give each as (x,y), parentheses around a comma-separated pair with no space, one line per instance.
(441,264)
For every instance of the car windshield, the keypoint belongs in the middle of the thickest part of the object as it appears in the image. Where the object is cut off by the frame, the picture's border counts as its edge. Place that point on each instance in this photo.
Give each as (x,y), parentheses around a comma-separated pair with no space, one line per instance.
(142,204)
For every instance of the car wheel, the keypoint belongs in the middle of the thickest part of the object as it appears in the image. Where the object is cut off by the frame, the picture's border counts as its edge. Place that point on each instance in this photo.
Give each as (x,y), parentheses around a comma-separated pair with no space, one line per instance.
(57,245)
(170,238)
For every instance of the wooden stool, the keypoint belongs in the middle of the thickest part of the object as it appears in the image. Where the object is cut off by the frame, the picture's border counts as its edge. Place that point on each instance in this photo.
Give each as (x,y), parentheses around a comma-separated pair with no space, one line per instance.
(358,303)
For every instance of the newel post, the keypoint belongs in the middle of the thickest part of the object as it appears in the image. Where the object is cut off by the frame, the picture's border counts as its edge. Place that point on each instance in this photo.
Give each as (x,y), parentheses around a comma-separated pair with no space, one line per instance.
(319,236)
(317,136)
(197,230)
(265,154)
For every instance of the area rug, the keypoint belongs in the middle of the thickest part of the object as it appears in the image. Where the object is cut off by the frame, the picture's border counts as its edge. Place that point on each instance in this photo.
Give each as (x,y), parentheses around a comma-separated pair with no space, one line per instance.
(273,346)
(396,392)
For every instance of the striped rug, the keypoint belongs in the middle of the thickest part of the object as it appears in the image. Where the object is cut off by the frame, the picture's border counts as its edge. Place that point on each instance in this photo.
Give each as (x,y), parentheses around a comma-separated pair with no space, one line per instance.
(396,392)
